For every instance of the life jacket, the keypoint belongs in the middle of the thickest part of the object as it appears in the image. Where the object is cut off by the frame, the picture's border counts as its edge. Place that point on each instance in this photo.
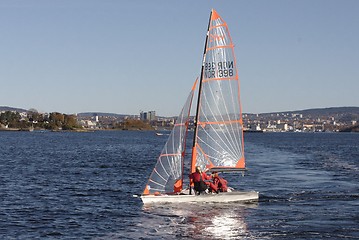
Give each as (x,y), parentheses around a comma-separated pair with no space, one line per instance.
(222,184)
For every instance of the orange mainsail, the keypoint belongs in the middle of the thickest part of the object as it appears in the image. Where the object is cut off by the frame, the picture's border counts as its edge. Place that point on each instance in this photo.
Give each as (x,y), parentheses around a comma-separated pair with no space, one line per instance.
(218,141)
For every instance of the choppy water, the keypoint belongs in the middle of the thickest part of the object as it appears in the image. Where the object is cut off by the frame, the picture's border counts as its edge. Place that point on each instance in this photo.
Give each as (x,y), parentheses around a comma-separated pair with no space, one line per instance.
(80,186)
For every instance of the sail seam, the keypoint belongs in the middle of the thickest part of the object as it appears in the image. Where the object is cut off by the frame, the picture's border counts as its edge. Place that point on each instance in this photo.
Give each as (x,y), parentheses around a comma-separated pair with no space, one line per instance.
(219,47)
(219,79)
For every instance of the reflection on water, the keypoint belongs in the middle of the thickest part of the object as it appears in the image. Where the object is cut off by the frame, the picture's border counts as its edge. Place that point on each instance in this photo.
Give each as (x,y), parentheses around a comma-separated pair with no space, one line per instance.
(196,221)
(227,225)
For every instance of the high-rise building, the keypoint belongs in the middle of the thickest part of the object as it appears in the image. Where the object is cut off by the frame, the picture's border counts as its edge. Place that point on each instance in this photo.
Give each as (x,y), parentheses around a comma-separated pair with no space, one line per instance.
(148,116)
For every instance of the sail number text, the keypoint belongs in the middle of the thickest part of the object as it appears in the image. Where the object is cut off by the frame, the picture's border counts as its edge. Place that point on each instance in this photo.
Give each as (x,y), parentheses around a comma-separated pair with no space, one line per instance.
(218,69)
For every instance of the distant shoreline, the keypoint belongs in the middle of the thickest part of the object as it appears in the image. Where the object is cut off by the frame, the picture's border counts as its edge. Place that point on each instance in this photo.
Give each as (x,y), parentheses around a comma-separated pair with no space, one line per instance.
(74,130)
(350,130)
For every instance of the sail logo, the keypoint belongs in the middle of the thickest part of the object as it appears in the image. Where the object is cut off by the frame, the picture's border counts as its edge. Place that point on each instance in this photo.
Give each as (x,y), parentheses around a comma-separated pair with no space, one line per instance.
(218,69)
(215,37)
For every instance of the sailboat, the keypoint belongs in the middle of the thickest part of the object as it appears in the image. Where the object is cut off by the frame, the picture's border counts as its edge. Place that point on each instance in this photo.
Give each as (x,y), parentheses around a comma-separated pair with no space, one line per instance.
(218,128)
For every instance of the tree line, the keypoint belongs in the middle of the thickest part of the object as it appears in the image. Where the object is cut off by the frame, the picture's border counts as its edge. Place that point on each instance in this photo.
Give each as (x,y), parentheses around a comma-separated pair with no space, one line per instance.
(34,119)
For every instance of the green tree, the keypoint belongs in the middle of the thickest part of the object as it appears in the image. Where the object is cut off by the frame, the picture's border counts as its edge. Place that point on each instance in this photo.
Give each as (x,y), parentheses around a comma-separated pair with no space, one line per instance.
(33,115)
(10,118)
(70,122)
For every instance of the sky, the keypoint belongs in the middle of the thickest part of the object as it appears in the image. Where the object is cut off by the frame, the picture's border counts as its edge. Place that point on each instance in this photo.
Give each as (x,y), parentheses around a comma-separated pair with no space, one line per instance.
(124,57)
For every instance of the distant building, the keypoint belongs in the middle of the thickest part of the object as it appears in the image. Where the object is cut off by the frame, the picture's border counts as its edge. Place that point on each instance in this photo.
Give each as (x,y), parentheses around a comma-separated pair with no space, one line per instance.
(143,115)
(148,116)
(95,116)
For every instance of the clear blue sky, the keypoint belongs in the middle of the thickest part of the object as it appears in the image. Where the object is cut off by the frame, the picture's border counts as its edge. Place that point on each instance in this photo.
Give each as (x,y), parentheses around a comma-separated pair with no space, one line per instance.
(117,56)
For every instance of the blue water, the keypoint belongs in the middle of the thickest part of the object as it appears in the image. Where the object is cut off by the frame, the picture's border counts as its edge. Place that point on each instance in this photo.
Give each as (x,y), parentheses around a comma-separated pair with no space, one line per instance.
(56,185)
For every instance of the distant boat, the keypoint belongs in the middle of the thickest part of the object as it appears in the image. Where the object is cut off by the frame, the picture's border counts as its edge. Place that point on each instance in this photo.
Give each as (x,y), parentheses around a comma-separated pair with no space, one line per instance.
(159,134)
(218,131)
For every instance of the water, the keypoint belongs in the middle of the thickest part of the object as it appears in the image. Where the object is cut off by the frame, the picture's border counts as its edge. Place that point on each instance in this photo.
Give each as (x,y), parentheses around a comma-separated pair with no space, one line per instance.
(81,186)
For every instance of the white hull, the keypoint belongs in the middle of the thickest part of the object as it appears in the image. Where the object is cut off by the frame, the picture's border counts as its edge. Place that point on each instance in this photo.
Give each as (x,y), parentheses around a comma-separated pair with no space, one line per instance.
(221,197)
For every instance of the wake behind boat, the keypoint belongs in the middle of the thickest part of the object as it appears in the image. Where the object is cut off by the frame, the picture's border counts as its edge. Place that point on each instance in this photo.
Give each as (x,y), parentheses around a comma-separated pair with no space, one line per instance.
(218,131)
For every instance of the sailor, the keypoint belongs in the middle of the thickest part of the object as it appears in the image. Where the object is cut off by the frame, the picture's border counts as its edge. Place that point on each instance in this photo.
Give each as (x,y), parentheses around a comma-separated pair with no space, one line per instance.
(198,178)
(219,183)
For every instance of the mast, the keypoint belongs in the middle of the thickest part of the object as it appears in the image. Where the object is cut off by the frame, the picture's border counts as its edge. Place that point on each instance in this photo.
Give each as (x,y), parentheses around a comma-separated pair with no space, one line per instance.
(199,96)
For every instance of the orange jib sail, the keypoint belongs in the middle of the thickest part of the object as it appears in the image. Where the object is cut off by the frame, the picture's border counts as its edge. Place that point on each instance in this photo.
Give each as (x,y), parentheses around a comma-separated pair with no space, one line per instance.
(167,175)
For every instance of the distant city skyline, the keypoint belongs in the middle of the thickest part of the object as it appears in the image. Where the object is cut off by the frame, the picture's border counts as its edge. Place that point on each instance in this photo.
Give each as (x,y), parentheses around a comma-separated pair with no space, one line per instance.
(131,56)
